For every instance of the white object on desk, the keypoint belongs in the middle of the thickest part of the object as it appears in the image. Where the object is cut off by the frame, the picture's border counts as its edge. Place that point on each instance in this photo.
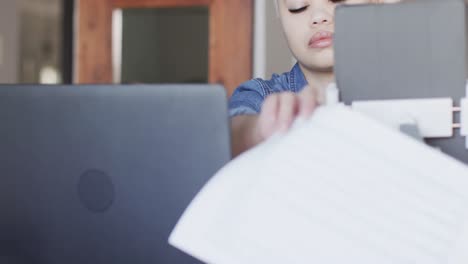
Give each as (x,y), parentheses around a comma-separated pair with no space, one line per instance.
(464,116)
(434,117)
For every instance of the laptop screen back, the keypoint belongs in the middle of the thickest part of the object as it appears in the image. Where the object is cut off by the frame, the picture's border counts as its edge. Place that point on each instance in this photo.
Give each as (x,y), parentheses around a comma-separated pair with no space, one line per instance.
(101,174)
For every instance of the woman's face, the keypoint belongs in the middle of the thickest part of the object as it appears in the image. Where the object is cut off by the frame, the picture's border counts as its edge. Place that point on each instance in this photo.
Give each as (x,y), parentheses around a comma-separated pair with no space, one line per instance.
(308,26)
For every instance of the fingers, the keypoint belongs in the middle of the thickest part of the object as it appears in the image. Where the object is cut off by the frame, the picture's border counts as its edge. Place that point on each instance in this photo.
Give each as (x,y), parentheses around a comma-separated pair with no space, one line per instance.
(308,102)
(278,113)
(269,115)
(287,111)
(280,110)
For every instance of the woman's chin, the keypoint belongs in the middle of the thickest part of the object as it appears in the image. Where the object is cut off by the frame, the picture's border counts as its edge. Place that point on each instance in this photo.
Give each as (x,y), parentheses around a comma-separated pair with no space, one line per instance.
(325,66)
(321,62)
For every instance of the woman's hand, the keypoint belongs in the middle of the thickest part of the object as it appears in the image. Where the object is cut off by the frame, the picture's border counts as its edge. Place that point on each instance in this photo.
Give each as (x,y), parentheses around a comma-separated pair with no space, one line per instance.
(281,109)
(277,114)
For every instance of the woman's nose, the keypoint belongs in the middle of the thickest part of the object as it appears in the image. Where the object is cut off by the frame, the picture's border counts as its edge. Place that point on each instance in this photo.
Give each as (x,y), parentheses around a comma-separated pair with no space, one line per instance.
(319,21)
(321,18)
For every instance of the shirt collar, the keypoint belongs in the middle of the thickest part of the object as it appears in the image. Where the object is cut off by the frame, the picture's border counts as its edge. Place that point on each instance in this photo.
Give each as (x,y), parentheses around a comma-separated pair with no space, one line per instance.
(297,80)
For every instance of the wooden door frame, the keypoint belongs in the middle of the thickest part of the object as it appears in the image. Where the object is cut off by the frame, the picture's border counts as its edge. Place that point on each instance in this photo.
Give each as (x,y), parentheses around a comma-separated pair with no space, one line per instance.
(230,38)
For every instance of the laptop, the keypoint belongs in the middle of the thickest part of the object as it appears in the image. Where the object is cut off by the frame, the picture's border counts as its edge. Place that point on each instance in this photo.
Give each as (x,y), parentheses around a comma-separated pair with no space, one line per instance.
(414,49)
(101,173)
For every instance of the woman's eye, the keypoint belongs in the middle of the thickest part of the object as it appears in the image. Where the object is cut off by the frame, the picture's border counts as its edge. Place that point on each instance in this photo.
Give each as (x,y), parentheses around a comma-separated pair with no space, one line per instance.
(298,10)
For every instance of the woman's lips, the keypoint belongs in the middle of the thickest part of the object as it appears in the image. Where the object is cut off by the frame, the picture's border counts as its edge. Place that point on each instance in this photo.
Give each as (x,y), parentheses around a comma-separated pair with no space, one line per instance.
(321,39)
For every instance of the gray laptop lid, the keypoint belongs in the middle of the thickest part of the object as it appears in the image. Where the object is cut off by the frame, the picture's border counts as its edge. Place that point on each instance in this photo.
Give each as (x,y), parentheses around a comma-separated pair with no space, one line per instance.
(101,174)
(408,50)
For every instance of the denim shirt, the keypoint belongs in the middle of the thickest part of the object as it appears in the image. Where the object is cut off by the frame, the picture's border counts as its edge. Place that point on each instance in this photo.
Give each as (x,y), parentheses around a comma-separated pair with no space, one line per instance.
(248,98)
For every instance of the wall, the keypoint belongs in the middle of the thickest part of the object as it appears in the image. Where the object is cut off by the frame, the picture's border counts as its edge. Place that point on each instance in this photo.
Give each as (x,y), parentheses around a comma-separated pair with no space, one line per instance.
(279,59)
(271,52)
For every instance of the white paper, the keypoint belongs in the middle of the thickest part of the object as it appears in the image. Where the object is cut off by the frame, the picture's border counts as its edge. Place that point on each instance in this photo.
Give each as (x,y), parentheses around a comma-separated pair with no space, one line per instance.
(338,188)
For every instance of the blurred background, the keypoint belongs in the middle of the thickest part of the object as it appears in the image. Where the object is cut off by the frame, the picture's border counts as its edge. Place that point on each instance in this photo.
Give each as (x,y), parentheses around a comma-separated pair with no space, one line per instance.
(35,41)
(39,42)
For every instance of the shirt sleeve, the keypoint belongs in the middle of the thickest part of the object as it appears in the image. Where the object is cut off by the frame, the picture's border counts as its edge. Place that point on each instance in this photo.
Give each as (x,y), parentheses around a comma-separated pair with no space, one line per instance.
(247,99)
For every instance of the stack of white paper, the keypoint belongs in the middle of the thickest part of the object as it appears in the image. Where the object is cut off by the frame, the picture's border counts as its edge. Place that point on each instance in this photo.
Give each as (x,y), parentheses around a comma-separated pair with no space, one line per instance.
(338,188)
